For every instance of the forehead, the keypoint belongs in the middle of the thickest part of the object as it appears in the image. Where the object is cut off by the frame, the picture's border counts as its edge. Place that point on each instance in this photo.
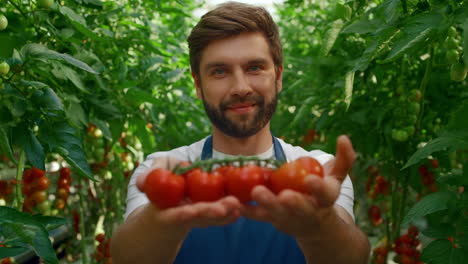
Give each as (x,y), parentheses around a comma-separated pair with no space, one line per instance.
(237,49)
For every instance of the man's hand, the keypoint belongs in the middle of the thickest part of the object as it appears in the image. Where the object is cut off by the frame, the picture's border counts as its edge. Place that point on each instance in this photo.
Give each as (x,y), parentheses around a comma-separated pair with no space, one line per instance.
(302,215)
(186,216)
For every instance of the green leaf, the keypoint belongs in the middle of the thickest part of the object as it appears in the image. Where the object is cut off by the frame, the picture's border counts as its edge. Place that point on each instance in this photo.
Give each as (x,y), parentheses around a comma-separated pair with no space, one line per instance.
(5,145)
(363,26)
(440,230)
(50,222)
(349,83)
(26,139)
(330,36)
(144,134)
(431,203)
(407,43)
(78,22)
(138,96)
(62,138)
(76,115)
(27,231)
(391,10)
(47,99)
(39,51)
(11,251)
(455,137)
(380,42)
(442,252)
(465,41)
(303,112)
(72,76)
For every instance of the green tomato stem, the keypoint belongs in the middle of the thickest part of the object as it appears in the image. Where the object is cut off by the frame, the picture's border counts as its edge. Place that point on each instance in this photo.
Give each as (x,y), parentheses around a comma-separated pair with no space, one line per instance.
(424,82)
(84,256)
(207,165)
(18,202)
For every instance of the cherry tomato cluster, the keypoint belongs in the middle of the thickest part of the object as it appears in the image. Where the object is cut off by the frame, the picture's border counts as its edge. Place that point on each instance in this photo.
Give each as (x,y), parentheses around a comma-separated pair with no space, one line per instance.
(406,113)
(35,184)
(405,247)
(375,215)
(376,183)
(6,189)
(427,174)
(458,69)
(63,188)
(166,189)
(7,261)
(379,255)
(102,254)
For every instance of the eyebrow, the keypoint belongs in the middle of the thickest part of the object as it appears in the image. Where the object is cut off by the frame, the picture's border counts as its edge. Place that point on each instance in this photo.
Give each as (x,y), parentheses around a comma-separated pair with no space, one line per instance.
(215,64)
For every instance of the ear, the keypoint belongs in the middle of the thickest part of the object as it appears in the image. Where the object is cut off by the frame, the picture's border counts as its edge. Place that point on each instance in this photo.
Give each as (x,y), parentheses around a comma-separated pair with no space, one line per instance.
(279,78)
(197,85)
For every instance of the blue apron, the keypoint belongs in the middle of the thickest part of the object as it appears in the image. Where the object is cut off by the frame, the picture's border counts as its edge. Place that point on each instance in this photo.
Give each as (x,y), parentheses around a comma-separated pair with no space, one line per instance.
(245,241)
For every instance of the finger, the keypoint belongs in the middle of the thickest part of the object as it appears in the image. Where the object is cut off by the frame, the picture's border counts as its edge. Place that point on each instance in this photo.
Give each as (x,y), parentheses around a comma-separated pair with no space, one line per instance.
(266,199)
(344,159)
(324,191)
(257,213)
(297,203)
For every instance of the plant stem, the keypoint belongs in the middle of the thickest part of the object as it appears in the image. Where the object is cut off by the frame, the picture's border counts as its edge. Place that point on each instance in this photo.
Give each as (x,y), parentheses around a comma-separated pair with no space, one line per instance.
(17,7)
(18,202)
(209,163)
(402,203)
(424,82)
(84,257)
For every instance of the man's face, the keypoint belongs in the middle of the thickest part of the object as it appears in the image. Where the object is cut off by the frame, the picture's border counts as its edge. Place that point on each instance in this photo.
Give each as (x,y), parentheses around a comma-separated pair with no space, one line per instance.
(238,84)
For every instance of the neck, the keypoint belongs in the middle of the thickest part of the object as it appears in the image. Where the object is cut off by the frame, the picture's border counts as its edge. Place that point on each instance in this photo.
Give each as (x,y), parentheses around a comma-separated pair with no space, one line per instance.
(248,146)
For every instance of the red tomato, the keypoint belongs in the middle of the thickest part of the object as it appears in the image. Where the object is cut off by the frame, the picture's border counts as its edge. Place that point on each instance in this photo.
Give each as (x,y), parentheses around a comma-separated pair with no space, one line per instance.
(164,189)
(62,193)
(28,176)
(223,170)
(65,173)
(38,173)
(99,237)
(434,163)
(241,181)
(203,186)
(42,183)
(290,175)
(375,215)
(64,183)
(311,165)
(59,204)
(39,196)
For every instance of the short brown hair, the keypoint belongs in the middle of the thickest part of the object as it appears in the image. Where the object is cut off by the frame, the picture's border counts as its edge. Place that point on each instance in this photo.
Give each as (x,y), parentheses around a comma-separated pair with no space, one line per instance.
(231,19)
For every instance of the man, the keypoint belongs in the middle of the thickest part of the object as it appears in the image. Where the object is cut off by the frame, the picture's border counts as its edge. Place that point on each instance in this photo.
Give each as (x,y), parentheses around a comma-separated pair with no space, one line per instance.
(236,62)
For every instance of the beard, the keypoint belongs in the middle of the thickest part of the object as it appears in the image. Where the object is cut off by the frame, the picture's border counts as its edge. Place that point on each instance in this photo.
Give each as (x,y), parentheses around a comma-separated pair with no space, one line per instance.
(247,125)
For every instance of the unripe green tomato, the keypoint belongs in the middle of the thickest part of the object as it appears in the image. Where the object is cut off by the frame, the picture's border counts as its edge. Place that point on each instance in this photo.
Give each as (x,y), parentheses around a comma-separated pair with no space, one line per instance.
(452,56)
(3,22)
(414,108)
(45,3)
(412,119)
(415,95)
(452,32)
(44,207)
(4,68)
(410,130)
(458,72)
(399,135)
(452,43)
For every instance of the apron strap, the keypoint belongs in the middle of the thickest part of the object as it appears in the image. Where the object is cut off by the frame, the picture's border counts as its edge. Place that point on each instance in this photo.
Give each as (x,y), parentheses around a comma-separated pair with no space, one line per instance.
(207,151)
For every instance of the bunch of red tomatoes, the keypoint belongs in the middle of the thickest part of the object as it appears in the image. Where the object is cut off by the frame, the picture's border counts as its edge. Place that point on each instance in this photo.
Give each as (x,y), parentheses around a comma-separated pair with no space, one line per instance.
(102,254)
(35,185)
(63,188)
(166,188)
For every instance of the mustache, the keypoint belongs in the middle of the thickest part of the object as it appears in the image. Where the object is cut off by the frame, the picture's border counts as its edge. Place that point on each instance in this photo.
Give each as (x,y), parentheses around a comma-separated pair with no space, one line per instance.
(250,99)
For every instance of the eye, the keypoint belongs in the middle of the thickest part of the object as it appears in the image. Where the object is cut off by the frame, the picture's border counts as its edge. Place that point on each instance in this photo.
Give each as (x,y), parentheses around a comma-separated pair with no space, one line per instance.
(218,72)
(254,68)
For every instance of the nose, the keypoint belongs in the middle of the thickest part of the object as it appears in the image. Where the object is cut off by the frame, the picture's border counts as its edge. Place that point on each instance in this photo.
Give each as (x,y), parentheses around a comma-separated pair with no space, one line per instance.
(240,85)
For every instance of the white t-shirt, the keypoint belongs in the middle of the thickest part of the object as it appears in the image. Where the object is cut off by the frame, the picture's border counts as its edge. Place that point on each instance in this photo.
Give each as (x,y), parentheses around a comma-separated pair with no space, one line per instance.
(136,198)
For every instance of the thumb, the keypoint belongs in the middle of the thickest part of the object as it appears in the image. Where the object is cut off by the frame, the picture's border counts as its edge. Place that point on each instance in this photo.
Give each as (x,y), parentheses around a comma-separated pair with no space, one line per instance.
(344,159)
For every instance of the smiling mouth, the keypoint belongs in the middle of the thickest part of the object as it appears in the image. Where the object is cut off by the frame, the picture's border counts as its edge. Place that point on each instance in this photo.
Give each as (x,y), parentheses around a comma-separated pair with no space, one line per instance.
(241,108)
